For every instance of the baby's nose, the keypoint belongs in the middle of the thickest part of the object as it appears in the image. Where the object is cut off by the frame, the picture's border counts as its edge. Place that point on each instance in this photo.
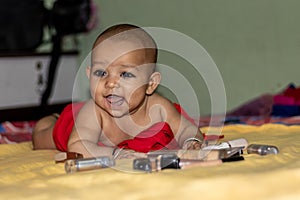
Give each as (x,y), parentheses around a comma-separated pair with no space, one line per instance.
(112,83)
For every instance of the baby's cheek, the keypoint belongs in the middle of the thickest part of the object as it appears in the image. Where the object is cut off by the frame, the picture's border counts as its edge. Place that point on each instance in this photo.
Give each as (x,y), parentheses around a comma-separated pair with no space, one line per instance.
(136,93)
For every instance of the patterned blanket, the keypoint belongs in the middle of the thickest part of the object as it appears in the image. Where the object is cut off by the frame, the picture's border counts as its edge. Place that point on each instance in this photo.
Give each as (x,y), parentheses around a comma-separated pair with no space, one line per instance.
(16,132)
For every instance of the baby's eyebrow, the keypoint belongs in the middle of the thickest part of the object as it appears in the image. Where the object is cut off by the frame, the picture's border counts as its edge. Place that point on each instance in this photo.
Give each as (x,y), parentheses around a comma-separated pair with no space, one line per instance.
(128,66)
(131,66)
(100,62)
(104,63)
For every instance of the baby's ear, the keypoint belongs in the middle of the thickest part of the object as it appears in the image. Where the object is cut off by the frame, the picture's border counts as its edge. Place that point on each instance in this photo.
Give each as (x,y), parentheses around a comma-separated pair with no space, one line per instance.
(154,81)
(88,71)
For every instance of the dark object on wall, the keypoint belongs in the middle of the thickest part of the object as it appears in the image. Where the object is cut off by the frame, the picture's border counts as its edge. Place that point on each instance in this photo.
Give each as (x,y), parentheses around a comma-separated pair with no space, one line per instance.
(71,16)
(67,17)
(21,24)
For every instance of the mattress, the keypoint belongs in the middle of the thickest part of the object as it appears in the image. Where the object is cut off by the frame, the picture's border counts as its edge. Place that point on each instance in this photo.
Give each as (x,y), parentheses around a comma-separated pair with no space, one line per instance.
(28,174)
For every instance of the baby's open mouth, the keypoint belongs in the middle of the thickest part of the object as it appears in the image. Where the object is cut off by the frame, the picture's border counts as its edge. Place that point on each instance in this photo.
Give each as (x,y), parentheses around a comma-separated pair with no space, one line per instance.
(115,100)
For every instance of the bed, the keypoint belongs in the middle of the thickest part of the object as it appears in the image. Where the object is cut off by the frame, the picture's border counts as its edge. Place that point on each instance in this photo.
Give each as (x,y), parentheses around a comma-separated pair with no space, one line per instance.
(28,174)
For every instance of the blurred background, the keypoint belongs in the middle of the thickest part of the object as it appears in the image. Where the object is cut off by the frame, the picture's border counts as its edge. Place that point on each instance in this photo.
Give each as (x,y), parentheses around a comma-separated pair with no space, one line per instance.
(254,44)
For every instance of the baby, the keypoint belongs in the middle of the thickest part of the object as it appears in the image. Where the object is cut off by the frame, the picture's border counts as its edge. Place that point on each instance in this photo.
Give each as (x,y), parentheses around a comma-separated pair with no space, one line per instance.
(125,114)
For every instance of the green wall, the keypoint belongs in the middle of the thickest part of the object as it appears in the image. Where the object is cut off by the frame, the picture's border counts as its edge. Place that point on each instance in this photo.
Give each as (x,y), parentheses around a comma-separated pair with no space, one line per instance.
(254,43)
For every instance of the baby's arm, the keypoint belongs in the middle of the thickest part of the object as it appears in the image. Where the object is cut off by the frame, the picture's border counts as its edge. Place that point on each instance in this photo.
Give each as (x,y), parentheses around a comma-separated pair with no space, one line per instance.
(86,132)
(85,136)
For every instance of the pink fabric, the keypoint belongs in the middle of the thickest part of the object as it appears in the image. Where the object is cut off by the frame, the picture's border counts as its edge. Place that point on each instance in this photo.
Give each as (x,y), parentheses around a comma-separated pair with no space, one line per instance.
(290,96)
(16,132)
(283,100)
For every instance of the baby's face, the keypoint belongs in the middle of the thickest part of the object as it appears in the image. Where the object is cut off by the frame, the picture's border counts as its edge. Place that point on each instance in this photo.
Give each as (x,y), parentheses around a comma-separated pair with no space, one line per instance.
(119,77)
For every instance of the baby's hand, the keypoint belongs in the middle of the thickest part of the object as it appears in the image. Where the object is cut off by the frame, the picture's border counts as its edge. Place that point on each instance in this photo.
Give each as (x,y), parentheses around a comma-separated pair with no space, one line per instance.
(192,145)
(129,154)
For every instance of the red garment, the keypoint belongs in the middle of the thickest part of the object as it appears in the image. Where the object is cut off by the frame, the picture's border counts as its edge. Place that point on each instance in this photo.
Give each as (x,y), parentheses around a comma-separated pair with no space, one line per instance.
(156,137)
(64,125)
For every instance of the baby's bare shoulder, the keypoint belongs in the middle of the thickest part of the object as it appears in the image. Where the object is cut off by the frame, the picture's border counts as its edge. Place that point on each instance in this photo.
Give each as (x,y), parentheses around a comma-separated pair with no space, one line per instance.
(159,102)
(158,99)
(162,105)
(89,116)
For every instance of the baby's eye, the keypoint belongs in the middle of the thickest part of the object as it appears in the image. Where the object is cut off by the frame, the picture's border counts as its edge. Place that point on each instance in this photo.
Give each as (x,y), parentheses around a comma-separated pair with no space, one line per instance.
(99,73)
(127,75)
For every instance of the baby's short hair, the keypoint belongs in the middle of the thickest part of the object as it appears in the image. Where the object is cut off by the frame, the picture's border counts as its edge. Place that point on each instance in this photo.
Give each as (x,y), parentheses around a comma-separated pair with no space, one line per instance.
(132,33)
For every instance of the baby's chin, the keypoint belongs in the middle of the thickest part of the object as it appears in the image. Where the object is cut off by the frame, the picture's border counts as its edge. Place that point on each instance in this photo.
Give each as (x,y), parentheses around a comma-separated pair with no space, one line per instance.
(117,113)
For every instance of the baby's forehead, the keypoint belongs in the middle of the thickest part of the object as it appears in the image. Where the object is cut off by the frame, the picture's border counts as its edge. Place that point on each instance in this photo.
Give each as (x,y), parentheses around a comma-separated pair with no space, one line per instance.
(136,36)
(111,51)
(118,42)
(131,44)
(115,49)
(126,42)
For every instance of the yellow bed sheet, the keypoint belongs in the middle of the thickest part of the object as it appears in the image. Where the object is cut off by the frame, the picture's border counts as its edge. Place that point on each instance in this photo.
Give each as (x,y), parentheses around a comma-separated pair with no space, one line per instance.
(27,174)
